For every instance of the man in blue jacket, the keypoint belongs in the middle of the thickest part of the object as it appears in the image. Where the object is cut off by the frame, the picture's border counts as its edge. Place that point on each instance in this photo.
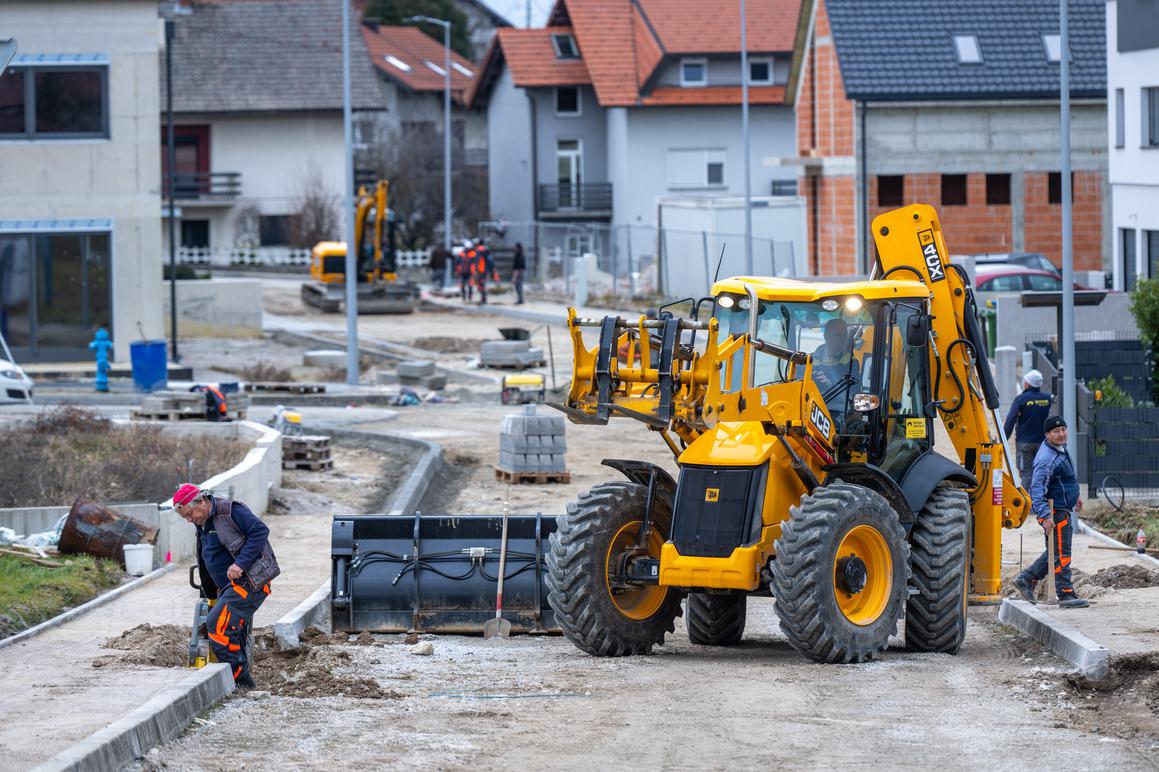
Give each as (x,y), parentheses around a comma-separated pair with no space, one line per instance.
(1029,411)
(237,566)
(1053,480)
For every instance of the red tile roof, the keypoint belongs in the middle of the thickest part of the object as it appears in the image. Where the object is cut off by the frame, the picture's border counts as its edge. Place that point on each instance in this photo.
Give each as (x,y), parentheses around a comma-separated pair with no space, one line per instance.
(649,54)
(604,32)
(699,27)
(409,49)
(532,60)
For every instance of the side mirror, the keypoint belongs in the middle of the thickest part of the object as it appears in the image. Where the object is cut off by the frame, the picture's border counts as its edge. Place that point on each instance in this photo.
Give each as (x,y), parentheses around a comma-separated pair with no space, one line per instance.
(917,330)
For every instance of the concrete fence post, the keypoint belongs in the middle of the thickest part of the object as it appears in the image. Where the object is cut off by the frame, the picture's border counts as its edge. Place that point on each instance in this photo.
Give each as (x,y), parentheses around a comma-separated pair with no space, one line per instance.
(1006,360)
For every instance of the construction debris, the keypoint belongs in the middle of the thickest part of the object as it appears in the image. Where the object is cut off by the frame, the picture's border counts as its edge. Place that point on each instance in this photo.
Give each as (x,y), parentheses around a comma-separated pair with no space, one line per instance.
(92,529)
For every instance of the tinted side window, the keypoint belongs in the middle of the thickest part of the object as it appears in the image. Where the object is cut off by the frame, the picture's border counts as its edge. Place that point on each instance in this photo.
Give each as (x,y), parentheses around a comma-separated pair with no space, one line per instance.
(1044,283)
(1002,284)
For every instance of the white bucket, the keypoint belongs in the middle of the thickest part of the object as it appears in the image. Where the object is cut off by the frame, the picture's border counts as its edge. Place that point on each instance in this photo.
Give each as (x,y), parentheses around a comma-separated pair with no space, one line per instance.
(138,559)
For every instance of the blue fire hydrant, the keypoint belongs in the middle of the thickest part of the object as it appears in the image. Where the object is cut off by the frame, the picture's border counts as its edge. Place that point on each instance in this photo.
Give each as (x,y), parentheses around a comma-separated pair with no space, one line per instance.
(101,345)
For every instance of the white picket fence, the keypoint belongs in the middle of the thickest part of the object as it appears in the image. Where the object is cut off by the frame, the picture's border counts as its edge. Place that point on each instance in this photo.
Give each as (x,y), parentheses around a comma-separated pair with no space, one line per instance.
(277,256)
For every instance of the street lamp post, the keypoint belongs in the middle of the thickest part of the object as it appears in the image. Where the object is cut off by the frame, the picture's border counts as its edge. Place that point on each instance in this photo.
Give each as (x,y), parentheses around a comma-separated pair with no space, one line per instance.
(171,162)
(748,183)
(352,368)
(446,25)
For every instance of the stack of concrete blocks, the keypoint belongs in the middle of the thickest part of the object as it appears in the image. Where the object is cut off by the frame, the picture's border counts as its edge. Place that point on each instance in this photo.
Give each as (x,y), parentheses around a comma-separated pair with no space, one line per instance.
(532,444)
(510,353)
(421,373)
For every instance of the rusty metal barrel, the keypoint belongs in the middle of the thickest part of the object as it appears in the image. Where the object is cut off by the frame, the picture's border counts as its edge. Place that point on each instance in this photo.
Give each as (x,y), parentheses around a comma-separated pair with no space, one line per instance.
(96,530)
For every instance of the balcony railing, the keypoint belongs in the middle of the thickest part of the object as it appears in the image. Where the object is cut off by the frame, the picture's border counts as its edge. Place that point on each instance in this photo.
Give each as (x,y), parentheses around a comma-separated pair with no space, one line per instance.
(783,188)
(582,198)
(204,185)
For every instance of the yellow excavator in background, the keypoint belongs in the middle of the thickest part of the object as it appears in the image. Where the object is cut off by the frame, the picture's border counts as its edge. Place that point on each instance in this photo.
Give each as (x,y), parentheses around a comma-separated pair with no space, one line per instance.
(379,289)
(801,416)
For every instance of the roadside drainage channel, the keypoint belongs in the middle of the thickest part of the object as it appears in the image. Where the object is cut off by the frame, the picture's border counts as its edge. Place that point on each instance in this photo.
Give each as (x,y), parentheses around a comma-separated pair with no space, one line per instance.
(1090,657)
(315,609)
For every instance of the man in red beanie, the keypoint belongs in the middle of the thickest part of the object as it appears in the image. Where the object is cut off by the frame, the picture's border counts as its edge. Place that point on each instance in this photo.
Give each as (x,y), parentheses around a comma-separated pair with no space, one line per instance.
(236,565)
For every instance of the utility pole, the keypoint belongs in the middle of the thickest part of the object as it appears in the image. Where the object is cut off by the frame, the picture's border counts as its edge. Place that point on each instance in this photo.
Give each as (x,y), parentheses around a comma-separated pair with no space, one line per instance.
(744,111)
(351,257)
(1066,334)
(170,185)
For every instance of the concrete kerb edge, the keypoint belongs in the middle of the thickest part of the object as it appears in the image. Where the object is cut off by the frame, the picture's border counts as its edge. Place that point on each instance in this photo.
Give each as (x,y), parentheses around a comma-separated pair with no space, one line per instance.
(311,611)
(1088,531)
(411,492)
(1090,657)
(84,608)
(159,720)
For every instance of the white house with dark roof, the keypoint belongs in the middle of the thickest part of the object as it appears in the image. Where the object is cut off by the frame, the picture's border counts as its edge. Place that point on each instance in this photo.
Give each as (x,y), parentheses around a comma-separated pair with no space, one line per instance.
(257,93)
(80,178)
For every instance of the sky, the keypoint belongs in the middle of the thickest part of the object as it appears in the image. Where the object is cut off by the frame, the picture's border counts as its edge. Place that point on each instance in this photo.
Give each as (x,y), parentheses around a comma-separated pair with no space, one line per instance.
(515,11)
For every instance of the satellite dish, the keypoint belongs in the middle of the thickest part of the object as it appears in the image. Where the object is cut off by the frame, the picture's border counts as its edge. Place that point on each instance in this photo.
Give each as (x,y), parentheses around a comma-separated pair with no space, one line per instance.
(8,49)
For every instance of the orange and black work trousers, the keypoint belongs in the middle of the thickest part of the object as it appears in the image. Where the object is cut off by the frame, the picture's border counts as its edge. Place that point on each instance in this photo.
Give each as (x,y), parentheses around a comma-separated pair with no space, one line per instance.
(1062,535)
(229,623)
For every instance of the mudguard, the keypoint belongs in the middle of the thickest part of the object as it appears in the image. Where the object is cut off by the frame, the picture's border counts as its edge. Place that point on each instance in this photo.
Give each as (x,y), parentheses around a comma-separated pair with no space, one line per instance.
(927,472)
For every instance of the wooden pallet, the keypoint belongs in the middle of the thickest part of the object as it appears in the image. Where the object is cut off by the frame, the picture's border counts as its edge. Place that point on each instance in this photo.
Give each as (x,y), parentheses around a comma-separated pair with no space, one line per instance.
(305,442)
(313,466)
(287,388)
(321,454)
(181,415)
(536,478)
(528,366)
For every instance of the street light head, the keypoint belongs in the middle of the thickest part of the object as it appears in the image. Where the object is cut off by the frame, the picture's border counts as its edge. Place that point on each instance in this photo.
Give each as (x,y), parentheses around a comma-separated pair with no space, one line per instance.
(428,20)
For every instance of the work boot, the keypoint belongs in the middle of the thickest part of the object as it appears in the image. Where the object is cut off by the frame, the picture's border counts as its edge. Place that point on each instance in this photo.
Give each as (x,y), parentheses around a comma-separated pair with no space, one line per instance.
(1070,600)
(245,681)
(1025,588)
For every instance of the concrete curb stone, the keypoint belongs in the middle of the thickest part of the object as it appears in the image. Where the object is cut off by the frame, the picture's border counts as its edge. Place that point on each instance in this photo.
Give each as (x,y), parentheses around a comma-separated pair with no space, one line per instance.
(1092,658)
(311,611)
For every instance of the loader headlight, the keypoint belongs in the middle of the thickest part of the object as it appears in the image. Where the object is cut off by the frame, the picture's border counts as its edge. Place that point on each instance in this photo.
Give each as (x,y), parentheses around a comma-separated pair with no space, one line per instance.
(829,305)
(744,304)
(726,301)
(853,304)
(863,403)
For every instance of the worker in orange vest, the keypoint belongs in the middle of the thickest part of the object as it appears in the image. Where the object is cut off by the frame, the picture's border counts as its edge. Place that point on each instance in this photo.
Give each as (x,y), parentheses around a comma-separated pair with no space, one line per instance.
(216,407)
(482,267)
(463,269)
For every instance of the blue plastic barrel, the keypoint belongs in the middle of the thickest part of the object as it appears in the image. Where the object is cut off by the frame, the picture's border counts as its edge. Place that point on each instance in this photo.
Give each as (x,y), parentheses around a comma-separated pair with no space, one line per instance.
(149,358)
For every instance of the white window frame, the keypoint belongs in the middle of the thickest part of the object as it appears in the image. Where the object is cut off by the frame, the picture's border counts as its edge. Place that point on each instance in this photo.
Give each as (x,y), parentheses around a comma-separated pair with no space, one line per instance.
(707,155)
(555,46)
(962,46)
(767,60)
(703,62)
(1052,44)
(579,103)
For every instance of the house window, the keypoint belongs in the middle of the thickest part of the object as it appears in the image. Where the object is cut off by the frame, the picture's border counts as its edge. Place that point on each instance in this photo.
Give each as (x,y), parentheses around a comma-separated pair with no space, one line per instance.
(1120,122)
(274,230)
(890,190)
(997,190)
(1127,250)
(1054,187)
(195,233)
(1053,46)
(696,168)
(565,47)
(1151,242)
(567,100)
(966,46)
(953,190)
(694,72)
(1151,117)
(54,102)
(761,72)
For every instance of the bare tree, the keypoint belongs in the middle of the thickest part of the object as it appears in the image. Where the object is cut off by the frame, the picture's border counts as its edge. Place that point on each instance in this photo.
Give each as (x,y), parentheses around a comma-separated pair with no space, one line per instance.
(315,207)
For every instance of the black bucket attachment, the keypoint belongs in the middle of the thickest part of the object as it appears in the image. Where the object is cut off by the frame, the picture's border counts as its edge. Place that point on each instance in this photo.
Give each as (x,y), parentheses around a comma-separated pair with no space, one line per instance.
(438,574)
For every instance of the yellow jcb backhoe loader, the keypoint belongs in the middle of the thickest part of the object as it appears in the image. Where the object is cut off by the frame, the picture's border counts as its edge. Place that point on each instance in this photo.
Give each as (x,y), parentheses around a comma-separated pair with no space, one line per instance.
(379,288)
(801,418)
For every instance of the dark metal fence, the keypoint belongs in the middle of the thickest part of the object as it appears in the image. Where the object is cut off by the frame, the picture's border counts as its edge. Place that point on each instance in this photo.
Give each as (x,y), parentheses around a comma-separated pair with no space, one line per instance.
(1124,446)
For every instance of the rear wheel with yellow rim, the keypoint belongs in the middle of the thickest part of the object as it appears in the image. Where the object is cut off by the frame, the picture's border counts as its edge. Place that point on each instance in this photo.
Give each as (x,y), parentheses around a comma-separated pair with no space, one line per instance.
(598,611)
(840,574)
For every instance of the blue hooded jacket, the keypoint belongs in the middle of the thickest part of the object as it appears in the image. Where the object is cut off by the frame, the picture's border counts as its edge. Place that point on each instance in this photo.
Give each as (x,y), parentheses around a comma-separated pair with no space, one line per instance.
(1053,478)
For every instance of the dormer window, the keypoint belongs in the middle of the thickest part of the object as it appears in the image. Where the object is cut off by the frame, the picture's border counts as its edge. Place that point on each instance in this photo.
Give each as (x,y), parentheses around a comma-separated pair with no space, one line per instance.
(1053,46)
(565,47)
(967,49)
(693,72)
(761,72)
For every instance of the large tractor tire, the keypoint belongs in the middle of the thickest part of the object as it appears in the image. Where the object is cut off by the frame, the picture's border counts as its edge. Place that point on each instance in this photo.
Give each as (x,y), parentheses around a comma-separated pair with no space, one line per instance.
(597,528)
(715,620)
(840,574)
(935,618)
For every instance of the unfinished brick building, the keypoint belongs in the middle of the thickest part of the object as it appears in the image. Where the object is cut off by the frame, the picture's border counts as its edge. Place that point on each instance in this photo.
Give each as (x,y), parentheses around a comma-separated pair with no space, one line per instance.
(955,105)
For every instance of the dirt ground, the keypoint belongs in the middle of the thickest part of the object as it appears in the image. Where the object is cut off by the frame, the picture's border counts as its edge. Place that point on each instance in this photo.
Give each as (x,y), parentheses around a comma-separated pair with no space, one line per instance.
(373,700)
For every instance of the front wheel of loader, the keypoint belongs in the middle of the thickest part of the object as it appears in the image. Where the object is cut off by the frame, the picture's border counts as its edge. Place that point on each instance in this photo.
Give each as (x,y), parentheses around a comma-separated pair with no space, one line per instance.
(935,618)
(840,574)
(716,620)
(601,619)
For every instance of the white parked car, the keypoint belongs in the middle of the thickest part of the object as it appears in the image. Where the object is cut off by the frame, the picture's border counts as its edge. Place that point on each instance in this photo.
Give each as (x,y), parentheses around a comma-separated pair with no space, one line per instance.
(15,385)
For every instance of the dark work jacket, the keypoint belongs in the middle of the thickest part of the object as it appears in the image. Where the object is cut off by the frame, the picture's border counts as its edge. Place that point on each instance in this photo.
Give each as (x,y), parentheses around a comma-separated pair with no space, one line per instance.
(234,534)
(1054,479)
(519,263)
(1029,410)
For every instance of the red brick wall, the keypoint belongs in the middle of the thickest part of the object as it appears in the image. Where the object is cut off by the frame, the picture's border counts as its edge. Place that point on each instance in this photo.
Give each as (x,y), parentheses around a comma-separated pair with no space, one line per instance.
(1043,220)
(972,228)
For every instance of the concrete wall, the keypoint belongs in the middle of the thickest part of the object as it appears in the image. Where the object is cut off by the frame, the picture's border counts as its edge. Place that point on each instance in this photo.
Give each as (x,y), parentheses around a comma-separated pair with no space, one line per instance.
(118,178)
(249,481)
(509,146)
(217,307)
(1016,324)
(1133,169)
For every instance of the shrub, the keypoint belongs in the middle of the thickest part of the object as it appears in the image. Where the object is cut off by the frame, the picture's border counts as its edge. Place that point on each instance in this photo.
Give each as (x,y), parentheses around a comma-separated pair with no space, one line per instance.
(1111,394)
(1145,307)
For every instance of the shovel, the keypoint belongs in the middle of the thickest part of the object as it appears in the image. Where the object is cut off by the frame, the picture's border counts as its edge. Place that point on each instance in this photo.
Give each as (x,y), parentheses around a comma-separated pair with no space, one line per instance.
(499,626)
(1051,593)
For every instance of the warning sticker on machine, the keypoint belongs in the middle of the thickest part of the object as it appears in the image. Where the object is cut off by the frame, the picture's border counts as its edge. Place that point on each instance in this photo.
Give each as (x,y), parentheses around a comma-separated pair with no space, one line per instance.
(930,253)
(915,428)
(712,494)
